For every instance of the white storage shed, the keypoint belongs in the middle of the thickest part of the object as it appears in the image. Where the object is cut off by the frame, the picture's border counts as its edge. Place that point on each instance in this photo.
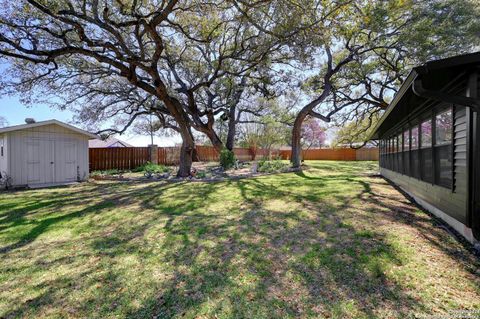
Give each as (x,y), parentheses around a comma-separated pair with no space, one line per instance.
(46,153)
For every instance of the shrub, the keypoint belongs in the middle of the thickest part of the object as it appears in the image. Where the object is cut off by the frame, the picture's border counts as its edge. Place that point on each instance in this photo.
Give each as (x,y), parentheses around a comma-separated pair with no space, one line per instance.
(265,166)
(152,168)
(201,174)
(227,159)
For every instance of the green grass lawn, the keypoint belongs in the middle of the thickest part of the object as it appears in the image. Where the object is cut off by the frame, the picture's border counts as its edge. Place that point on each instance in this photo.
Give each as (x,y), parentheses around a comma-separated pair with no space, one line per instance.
(336,241)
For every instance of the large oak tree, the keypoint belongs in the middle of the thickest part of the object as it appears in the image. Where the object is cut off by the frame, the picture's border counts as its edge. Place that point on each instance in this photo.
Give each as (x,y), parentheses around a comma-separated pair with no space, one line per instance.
(354,54)
(130,57)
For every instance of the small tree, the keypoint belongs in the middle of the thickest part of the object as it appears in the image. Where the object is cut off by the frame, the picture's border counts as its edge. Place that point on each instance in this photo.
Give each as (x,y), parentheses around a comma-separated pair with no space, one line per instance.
(272,133)
(268,128)
(149,126)
(313,134)
(227,158)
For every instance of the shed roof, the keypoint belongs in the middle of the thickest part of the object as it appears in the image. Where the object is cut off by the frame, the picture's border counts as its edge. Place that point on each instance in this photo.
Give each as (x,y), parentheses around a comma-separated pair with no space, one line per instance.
(437,75)
(109,142)
(48,122)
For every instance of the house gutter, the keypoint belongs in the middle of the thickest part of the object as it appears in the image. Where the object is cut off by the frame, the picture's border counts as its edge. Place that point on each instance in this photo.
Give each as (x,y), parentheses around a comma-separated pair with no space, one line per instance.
(419,90)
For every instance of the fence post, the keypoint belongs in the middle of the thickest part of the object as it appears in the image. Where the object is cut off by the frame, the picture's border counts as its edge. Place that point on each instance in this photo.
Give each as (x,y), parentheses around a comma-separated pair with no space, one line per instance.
(153,150)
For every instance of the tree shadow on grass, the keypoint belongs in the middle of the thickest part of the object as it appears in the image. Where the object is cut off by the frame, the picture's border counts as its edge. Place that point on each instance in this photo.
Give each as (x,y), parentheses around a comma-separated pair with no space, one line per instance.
(345,270)
(402,208)
(55,294)
(107,245)
(297,266)
(250,260)
(44,224)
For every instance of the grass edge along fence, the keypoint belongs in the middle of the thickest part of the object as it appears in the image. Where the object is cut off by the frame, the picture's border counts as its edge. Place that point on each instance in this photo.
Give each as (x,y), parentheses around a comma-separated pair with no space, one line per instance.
(127,158)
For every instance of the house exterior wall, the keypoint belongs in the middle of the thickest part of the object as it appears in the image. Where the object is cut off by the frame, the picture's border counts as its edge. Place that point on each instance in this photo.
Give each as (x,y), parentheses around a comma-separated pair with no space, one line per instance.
(449,204)
(46,144)
(436,200)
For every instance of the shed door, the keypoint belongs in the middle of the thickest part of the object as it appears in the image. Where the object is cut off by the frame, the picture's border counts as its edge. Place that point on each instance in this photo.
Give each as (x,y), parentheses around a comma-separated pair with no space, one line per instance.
(40,161)
(66,161)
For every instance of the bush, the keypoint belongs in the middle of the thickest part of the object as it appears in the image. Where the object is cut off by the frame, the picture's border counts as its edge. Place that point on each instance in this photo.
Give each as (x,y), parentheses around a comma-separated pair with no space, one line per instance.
(201,174)
(273,166)
(152,168)
(227,159)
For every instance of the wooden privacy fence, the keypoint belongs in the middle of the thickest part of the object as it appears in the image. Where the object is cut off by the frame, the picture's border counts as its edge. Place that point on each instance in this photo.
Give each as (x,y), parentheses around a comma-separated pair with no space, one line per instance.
(338,154)
(209,154)
(117,157)
(168,155)
(132,157)
(367,154)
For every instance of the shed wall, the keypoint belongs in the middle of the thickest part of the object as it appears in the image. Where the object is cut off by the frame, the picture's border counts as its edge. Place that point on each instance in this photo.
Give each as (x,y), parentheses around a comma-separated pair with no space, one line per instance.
(4,158)
(61,136)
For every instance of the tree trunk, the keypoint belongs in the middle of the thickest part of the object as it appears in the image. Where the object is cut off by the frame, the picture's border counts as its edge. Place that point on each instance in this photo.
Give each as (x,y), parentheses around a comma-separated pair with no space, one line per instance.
(253,152)
(231,129)
(195,157)
(186,151)
(185,130)
(213,137)
(296,158)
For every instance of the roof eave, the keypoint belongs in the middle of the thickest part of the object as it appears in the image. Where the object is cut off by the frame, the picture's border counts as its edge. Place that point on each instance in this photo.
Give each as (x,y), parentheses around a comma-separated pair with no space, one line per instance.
(48,122)
(419,70)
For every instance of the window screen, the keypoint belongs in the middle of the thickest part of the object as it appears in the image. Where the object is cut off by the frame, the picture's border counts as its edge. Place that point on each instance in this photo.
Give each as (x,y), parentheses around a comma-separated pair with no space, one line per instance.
(406,140)
(426,134)
(381,153)
(414,153)
(426,164)
(406,163)
(414,143)
(389,156)
(400,154)
(443,165)
(419,153)
(443,128)
(415,164)
(443,148)
(406,152)
(392,156)
(400,142)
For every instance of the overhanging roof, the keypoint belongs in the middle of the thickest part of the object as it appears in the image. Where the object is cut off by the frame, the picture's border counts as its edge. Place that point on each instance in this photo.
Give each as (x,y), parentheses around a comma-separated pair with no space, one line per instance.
(438,73)
(49,122)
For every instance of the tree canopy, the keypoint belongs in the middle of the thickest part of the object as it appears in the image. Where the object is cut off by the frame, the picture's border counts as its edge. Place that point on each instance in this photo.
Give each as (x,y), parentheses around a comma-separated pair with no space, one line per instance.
(130,58)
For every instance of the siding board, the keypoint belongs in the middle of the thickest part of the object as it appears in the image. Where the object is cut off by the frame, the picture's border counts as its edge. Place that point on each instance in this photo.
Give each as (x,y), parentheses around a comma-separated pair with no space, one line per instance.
(452,203)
